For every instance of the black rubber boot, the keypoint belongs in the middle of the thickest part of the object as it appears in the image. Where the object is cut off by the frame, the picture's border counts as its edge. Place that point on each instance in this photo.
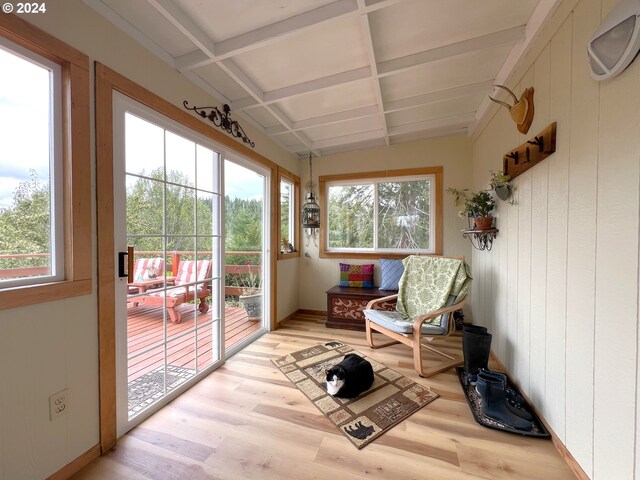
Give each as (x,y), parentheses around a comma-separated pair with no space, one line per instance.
(494,403)
(476,346)
(514,407)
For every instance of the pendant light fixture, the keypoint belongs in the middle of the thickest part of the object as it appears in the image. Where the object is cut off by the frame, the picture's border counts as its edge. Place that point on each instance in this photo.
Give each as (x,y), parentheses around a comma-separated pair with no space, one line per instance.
(310,210)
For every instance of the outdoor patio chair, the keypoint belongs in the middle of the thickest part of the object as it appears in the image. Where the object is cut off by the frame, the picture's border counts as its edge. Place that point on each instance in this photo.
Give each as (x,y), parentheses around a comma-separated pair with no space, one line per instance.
(190,283)
(430,290)
(144,269)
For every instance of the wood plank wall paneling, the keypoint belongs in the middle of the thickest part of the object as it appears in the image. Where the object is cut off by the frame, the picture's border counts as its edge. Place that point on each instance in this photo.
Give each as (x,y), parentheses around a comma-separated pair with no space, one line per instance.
(560,289)
(558,198)
(617,273)
(583,167)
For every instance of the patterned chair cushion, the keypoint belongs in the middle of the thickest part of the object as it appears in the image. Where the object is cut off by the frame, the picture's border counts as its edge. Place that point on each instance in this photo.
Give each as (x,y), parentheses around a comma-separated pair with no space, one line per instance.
(428,282)
(356,275)
(391,271)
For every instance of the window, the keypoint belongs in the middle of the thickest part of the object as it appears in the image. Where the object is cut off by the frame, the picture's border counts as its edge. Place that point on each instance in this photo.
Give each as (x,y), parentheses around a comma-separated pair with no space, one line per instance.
(289,208)
(30,164)
(45,217)
(382,213)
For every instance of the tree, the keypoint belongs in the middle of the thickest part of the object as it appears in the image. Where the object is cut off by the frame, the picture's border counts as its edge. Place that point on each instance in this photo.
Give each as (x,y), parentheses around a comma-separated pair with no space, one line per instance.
(25,227)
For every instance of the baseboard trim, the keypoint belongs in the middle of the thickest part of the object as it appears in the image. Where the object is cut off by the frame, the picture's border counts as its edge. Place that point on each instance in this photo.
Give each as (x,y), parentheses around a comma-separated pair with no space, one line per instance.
(304,311)
(287,318)
(76,465)
(562,449)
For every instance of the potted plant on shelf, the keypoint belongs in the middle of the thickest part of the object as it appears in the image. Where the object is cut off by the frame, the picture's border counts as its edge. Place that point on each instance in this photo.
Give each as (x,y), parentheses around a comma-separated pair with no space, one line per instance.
(499,183)
(479,206)
(251,294)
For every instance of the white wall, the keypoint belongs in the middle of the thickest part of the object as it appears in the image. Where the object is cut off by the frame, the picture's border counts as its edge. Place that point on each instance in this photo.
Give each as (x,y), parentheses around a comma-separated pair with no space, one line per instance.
(317,275)
(48,347)
(560,289)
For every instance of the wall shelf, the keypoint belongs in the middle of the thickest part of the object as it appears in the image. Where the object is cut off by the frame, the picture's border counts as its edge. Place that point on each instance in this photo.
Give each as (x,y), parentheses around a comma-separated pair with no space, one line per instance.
(481,239)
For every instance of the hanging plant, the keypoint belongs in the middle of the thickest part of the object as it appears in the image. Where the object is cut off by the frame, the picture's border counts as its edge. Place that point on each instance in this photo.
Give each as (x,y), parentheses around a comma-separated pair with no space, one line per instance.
(499,183)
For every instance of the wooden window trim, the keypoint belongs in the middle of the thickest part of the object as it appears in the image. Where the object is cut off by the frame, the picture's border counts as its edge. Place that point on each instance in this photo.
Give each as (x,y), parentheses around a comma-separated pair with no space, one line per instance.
(323,180)
(76,159)
(295,180)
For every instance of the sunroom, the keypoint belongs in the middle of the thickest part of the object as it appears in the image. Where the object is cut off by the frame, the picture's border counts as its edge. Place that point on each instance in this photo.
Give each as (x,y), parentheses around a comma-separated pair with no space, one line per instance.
(198,199)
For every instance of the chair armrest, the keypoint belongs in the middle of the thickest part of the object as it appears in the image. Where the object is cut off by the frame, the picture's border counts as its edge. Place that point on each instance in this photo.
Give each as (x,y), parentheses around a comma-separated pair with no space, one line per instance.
(417,323)
(373,303)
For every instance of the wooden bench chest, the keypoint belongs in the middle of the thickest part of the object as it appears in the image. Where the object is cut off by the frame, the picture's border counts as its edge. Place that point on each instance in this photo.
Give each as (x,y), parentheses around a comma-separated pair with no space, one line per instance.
(345,305)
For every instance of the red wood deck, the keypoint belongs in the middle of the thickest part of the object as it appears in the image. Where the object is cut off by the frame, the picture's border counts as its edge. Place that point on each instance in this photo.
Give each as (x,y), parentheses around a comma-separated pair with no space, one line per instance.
(146,330)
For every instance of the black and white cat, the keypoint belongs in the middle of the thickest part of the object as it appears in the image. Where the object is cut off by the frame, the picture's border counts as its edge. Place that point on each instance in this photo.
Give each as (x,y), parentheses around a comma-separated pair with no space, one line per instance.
(352,376)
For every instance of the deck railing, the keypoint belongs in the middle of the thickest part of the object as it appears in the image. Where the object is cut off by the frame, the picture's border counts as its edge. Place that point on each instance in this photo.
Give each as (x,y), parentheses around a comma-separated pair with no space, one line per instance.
(21,272)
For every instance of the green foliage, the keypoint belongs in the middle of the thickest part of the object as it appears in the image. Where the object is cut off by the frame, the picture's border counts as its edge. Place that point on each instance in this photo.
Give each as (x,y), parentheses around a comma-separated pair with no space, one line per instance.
(479,204)
(403,215)
(498,179)
(26,225)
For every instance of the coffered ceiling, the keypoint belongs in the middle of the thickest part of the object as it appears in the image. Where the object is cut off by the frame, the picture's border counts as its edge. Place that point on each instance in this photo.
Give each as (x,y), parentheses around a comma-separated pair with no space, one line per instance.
(330,76)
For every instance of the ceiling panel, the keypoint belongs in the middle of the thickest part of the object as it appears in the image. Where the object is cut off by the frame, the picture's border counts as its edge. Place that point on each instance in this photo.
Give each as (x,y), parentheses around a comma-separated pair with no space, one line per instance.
(218,79)
(448,73)
(446,108)
(418,25)
(330,48)
(223,19)
(332,100)
(289,139)
(365,124)
(153,25)
(262,116)
(306,66)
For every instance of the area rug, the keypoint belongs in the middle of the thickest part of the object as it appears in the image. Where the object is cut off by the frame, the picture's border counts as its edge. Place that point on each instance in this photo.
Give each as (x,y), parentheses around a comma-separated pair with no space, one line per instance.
(391,398)
(148,388)
(473,399)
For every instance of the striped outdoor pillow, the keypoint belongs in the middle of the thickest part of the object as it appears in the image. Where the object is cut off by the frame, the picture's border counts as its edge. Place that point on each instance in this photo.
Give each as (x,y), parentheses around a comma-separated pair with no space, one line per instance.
(391,272)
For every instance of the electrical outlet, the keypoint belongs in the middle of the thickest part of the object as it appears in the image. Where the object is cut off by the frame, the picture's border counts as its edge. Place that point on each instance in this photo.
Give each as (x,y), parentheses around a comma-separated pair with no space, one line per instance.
(58,404)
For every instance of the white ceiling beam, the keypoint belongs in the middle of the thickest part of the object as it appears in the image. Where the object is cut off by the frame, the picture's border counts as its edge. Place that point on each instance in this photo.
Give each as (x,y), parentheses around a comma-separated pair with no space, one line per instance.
(346,139)
(252,89)
(386,68)
(438,132)
(504,37)
(269,33)
(354,146)
(371,54)
(373,5)
(317,84)
(329,119)
(437,96)
(244,103)
(257,38)
(459,121)
(186,26)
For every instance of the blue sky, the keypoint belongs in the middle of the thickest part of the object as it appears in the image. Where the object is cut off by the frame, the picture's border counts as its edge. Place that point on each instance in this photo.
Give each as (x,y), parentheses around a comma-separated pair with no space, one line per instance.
(24,123)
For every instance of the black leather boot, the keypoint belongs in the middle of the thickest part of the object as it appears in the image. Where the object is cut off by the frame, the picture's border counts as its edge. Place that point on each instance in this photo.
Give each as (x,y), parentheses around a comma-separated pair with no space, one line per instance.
(476,346)
(511,395)
(494,403)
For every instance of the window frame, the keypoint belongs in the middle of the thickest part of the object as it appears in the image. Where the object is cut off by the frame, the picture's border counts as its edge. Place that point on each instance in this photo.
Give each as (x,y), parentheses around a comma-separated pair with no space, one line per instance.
(385,175)
(74,163)
(294,180)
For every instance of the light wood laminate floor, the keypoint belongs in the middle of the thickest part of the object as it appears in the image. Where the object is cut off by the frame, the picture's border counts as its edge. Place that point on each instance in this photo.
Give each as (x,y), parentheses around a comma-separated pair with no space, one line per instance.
(247,421)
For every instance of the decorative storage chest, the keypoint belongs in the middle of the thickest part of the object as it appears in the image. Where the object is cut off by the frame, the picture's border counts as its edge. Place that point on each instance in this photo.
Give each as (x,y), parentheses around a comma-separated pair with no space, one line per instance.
(345,305)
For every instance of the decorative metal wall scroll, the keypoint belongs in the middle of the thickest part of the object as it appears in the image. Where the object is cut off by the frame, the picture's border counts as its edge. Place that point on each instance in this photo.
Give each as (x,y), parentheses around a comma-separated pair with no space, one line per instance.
(222,120)
(530,153)
(481,239)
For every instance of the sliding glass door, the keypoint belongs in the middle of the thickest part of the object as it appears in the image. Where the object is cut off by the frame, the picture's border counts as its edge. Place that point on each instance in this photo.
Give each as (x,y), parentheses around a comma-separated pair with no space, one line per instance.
(168,219)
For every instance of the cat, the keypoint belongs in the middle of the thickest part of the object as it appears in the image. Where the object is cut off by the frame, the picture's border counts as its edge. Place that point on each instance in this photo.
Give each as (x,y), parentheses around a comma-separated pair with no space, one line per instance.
(349,378)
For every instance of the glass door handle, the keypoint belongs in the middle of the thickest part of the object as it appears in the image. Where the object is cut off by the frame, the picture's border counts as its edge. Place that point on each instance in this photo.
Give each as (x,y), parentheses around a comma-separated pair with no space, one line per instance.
(125,269)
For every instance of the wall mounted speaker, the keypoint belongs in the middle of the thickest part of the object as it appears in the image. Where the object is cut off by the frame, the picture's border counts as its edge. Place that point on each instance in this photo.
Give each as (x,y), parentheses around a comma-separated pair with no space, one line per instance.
(616,42)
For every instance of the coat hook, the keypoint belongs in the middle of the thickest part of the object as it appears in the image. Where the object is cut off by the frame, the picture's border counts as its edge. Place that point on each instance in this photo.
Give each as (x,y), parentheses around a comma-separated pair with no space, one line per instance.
(539,141)
(513,155)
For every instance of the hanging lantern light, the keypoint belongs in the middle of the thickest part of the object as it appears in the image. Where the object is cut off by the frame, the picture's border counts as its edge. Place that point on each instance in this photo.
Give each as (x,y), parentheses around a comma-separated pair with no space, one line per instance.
(311,210)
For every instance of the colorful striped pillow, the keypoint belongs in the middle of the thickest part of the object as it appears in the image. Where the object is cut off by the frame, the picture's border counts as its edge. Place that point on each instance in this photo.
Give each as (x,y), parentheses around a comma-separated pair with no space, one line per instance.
(356,275)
